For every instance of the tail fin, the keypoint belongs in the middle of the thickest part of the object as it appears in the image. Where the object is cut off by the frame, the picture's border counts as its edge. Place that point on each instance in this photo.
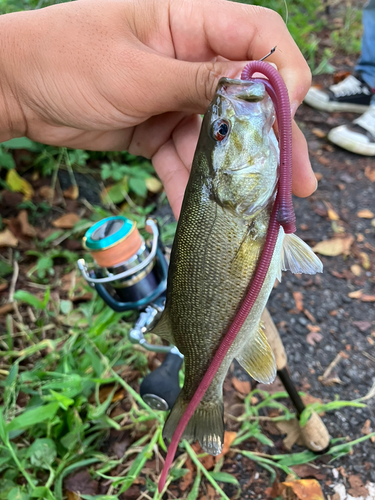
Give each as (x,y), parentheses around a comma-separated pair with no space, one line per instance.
(206,425)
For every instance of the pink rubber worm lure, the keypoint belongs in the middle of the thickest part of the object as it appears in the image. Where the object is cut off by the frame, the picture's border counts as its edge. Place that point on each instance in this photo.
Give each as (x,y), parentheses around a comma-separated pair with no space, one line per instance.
(282,215)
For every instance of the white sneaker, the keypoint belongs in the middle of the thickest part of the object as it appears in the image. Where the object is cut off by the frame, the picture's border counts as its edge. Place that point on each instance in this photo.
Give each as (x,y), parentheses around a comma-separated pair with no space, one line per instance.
(351,94)
(357,137)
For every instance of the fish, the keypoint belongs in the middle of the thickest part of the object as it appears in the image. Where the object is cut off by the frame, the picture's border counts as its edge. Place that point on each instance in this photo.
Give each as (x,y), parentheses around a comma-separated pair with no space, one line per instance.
(219,239)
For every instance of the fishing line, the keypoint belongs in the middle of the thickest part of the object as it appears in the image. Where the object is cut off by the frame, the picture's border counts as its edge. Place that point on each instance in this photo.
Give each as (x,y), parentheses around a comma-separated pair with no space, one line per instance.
(282,215)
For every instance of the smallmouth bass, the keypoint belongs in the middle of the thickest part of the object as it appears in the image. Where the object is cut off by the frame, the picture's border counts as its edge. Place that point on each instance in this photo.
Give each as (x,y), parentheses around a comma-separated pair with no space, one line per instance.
(219,239)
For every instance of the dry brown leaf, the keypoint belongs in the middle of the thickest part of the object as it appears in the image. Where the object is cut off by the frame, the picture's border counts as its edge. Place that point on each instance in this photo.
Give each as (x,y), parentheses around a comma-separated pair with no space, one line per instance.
(318,176)
(242,386)
(356,295)
(362,325)
(313,337)
(208,461)
(293,433)
(6,308)
(309,315)
(303,489)
(366,429)
(26,228)
(319,133)
(7,239)
(313,328)
(298,298)
(187,479)
(366,264)
(47,193)
(72,192)
(332,215)
(365,214)
(229,437)
(66,221)
(357,489)
(356,269)
(368,298)
(210,492)
(306,470)
(334,246)
(370,173)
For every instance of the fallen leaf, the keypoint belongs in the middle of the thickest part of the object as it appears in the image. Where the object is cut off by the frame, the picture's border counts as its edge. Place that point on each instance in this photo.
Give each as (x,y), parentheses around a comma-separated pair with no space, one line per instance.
(242,386)
(362,325)
(366,429)
(19,185)
(356,295)
(307,471)
(318,132)
(47,193)
(66,221)
(332,215)
(7,239)
(26,228)
(365,214)
(313,328)
(81,482)
(293,433)
(356,269)
(357,489)
(229,437)
(370,173)
(208,461)
(309,315)
(153,184)
(368,298)
(318,176)
(72,192)
(210,492)
(366,264)
(303,489)
(6,308)
(187,479)
(298,298)
(334,246)
(313,337)
(70,495)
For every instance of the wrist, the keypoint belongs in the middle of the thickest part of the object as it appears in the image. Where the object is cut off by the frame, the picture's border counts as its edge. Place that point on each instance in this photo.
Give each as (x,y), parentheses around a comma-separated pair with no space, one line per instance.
(12,120)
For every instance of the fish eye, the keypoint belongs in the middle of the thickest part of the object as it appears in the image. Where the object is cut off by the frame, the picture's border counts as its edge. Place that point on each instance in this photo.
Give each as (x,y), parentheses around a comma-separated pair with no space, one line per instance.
(220,129)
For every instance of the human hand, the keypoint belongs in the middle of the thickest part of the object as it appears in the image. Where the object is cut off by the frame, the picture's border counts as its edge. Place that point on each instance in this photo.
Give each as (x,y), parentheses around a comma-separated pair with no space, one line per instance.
(128,75)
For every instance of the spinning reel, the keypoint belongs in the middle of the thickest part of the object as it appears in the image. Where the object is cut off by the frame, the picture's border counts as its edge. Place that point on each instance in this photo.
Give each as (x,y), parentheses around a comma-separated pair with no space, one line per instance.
(131,274)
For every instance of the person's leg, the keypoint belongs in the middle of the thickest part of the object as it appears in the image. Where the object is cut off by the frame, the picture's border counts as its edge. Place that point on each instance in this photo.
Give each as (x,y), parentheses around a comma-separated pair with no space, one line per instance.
(366,63)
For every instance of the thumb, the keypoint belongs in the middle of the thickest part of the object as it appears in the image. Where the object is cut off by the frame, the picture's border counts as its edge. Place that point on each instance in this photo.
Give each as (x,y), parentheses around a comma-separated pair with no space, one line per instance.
(186,86)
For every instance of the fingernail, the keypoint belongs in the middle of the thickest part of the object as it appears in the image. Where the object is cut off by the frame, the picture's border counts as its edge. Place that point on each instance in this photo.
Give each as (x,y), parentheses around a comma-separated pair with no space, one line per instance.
(293,108)
(317,184)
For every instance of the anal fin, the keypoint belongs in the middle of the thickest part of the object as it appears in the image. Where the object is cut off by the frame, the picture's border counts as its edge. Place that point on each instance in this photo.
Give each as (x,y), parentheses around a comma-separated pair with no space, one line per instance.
(257,358)
(298,257)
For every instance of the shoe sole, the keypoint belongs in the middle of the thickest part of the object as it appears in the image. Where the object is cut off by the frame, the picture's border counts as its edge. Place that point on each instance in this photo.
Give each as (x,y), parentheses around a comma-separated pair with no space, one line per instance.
(351,145)
(332,106)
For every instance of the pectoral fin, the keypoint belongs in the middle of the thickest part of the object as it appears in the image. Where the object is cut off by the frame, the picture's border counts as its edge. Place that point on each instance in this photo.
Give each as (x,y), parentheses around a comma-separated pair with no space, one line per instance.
(163,328)
(257,358)
(298,257)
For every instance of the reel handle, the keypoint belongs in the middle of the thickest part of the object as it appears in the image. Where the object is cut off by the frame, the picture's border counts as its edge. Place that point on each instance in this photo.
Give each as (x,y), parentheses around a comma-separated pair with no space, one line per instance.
(160,388)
